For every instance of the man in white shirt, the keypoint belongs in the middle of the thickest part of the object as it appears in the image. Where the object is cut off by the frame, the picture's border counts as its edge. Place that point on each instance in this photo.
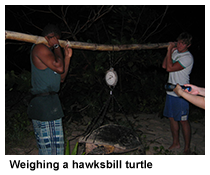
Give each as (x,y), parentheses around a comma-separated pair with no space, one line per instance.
(178,62)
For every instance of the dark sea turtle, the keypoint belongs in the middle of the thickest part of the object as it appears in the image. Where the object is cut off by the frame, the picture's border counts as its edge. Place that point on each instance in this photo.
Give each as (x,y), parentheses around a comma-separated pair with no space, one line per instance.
(111,138)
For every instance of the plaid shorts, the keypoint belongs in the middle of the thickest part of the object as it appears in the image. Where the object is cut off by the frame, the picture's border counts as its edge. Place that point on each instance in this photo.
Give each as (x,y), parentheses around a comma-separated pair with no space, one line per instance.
(49,136)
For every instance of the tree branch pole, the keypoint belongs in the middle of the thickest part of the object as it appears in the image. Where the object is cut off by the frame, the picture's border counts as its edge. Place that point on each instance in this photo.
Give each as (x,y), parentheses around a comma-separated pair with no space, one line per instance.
(82,45)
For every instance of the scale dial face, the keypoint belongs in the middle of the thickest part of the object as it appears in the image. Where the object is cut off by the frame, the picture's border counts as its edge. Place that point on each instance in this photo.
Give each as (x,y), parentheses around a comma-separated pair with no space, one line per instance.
(111,77)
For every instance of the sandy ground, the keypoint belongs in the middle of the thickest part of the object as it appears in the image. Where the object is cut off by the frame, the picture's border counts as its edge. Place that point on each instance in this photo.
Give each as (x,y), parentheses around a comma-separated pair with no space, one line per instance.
(154,133)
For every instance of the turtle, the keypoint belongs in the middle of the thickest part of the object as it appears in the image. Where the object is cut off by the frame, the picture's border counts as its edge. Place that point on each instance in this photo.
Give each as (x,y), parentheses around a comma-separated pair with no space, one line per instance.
(111,139)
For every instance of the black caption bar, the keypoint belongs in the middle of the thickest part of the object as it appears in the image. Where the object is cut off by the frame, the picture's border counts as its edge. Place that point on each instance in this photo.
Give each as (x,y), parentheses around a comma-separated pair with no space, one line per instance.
(80,165)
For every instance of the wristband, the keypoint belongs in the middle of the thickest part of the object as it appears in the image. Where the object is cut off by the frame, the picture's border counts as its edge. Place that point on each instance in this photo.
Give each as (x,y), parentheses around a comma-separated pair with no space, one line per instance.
(56,46)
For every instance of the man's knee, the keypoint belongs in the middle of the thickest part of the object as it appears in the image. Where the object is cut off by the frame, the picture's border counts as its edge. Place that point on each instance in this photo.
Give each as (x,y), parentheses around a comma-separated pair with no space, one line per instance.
(184,123)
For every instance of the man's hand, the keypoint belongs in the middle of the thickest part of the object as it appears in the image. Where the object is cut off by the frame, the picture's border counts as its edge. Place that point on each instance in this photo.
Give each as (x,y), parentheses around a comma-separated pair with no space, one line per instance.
(52,41)
(178,90)
(195,90)
(171,46)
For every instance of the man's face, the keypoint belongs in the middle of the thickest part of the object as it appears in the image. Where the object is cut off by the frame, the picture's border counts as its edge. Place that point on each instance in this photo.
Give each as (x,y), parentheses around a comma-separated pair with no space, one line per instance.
(51,35)
(181,46)
(52,39)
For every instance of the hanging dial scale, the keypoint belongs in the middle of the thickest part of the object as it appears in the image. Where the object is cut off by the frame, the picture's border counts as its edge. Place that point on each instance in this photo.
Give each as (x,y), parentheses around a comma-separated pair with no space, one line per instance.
(111,77)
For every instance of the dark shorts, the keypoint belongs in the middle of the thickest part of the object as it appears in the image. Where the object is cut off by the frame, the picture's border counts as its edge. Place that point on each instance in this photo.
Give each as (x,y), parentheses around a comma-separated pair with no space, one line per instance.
(177,108)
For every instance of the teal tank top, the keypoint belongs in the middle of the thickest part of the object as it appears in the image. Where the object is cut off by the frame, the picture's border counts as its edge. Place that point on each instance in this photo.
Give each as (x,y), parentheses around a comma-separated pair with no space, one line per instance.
(44,108)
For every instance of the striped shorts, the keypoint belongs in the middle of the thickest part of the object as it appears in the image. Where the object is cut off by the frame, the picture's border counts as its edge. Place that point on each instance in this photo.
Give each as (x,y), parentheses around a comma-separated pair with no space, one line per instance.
(49,136)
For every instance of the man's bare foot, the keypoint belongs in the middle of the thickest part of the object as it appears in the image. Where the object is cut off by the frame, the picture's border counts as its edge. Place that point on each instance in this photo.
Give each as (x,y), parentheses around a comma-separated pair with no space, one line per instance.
(174,147)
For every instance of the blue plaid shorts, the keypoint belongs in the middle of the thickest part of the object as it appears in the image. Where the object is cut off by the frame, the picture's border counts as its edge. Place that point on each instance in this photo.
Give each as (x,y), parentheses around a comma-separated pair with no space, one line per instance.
(49,136)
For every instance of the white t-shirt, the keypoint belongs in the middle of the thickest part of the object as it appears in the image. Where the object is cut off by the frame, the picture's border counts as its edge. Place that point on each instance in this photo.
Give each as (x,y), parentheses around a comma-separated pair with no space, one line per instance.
(182,76)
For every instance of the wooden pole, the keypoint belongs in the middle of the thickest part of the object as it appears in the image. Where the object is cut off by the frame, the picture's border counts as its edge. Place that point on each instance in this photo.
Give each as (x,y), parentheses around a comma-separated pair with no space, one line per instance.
(82,45)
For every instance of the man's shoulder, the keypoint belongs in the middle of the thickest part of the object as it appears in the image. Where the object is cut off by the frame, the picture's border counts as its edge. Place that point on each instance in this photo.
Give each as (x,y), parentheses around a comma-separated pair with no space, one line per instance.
(188,55)
(184,54)
(40,48)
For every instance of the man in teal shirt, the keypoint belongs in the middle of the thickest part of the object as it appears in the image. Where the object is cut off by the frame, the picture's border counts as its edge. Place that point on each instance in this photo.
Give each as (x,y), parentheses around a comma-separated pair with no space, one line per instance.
(48,69)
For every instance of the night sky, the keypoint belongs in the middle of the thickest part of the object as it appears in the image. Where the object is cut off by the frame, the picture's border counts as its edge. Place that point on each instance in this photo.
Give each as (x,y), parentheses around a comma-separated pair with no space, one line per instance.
(179,18)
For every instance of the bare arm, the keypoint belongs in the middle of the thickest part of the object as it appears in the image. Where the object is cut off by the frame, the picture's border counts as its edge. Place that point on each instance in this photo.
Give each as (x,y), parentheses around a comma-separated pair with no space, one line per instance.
(58,58)
(43,58)
(168,63)
(194,99)
(164,64)
(68,55)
